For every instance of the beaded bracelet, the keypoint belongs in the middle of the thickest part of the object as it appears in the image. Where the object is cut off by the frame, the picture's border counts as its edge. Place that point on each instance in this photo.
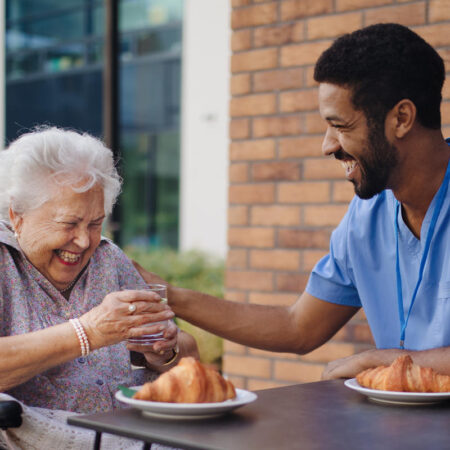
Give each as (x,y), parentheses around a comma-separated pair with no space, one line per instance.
(82,337)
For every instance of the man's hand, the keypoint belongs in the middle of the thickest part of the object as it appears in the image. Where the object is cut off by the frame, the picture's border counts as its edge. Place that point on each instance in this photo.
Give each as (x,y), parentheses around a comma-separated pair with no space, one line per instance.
(350,366)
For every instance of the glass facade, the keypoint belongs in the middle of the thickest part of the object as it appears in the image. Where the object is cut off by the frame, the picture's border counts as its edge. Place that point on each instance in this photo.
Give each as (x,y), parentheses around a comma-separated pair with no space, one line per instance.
(54,66)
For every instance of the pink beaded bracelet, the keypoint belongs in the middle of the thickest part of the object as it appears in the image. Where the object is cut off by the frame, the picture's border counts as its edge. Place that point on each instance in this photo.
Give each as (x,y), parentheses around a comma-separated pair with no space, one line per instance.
(82,337)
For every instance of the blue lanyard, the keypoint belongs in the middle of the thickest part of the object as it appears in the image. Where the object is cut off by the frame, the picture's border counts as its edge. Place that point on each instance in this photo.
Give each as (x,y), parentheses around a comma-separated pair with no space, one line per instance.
(437,209)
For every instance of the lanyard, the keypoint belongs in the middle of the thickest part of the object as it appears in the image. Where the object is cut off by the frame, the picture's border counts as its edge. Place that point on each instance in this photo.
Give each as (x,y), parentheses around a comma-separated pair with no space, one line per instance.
(437,209)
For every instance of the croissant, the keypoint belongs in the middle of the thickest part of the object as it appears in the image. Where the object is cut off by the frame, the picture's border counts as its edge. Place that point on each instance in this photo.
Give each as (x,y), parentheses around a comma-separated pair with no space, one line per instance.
(404,376)
(188,382)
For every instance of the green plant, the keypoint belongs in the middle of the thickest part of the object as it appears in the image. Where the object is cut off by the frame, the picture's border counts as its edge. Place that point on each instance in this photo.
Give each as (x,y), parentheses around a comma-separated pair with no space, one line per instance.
(193,270)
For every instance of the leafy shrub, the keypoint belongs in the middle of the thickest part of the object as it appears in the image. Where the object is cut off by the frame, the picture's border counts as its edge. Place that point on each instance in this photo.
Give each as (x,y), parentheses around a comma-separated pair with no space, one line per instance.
(193,270)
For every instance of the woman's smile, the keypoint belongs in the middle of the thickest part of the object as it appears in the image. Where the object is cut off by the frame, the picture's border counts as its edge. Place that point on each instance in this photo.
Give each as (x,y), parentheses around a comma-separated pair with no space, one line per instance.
(68,258)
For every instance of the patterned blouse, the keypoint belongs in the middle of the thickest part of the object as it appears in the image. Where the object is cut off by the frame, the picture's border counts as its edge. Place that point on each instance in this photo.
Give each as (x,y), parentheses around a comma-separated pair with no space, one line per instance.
(29,302)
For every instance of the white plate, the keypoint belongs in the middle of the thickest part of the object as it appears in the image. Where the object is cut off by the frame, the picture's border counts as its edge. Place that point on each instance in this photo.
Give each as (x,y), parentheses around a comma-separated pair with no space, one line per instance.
(398,398)
(188,410)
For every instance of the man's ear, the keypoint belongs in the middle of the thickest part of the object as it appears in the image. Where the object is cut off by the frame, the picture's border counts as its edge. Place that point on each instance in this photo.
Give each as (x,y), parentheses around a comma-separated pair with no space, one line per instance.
(400,119)
(16,220)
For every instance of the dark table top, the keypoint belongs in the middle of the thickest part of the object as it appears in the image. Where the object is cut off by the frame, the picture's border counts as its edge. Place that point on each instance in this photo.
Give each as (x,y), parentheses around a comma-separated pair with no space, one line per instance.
(323,415)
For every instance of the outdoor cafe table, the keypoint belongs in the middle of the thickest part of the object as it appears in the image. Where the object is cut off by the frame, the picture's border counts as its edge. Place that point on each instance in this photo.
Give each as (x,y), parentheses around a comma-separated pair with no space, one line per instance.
(322,415)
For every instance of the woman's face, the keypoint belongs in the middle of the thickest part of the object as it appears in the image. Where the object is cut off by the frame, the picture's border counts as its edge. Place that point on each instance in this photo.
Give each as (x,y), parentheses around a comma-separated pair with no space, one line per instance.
(60,236)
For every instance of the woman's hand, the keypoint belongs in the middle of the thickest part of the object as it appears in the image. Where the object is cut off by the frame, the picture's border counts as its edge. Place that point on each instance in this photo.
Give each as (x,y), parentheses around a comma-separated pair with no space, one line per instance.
(113,321)
(177,343)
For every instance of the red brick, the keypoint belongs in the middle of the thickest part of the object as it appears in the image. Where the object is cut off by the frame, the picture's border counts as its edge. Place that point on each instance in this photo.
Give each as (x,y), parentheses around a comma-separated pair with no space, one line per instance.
(232,347)
(445,111)
(410,14)
(254,60)
(273,355)
(315,192)
(314,123)
(252,105)
(247,366)
(329,352)
(300,147)
(258,193)
(322,168)
(317,239)
(362,333)
(273,80)
(310,258)
(360,315)
(275,259)
(445,55)
(237,259)
(438,11)
(278,170)
(236,296)
(324,215)
(309,77)
(446,89)
(275,215)
(299,101)
(345,5)
(333,26)
(276,126)
(298,55)
(343,191)
(252,150)
(342,335)
(291,282)
(245,279)
(278,35)
(238,173)
(298,372)
(241,40)
(238,382)
(238,215)
(298,9)
(239,128)
(254,15)
(268,298)
(240,84)
(436,35)
(251,237)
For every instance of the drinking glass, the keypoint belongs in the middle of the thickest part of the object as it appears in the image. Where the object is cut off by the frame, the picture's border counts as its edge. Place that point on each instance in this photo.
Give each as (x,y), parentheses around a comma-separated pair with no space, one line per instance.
(148,339)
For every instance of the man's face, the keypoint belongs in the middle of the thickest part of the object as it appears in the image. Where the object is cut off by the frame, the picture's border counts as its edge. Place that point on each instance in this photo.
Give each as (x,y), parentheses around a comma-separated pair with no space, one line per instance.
(366,155)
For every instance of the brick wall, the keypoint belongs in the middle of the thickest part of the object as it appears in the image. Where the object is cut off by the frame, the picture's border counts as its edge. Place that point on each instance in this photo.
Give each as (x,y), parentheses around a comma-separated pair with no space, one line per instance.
(285,198)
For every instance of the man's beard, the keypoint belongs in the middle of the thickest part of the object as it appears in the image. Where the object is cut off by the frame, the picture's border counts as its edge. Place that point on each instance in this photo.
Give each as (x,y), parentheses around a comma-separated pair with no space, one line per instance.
(376,164)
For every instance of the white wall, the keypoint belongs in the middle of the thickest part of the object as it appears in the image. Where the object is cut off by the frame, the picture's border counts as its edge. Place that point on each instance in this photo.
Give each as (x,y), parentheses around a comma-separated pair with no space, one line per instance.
(204,126)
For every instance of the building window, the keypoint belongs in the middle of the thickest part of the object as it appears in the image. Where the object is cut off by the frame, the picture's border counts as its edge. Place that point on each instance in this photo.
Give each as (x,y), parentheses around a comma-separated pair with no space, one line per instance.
(54,66)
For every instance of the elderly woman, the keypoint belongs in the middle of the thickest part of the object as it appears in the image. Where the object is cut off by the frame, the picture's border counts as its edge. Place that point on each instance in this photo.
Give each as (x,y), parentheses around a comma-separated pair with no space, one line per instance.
(69,298)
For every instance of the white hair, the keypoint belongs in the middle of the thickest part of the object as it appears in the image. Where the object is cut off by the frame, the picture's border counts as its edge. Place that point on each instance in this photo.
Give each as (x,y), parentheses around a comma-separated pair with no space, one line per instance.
(53,155)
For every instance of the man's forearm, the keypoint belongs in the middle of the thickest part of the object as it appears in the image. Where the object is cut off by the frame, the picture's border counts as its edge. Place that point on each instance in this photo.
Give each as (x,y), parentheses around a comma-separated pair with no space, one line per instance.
(260,326)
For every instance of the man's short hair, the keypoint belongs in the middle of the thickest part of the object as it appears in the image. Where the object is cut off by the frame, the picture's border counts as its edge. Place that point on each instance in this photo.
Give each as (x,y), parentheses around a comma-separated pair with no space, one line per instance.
(383,64)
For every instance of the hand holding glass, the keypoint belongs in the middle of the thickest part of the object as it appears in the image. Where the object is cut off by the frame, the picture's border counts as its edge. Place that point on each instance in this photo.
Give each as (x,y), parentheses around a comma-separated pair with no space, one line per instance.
(148,339)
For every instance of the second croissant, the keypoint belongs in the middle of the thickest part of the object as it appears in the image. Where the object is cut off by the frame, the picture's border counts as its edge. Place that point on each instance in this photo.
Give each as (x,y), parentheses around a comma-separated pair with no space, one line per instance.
(404,376)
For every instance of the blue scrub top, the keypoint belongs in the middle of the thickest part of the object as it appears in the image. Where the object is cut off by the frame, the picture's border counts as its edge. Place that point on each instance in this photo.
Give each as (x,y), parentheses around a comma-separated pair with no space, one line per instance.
(360,271)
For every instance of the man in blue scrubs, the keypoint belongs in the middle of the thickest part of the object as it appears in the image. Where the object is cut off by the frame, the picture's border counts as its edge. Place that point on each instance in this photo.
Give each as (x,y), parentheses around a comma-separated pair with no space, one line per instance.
(380,94)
